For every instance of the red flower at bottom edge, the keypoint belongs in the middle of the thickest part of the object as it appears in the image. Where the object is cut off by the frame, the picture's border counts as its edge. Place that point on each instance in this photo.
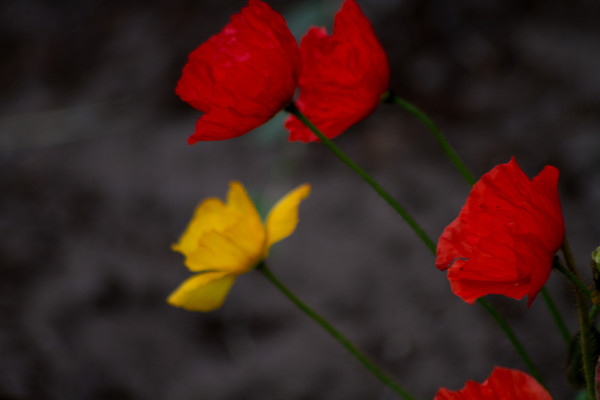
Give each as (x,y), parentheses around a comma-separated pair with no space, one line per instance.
(343,75)
(503,384)
(505,237)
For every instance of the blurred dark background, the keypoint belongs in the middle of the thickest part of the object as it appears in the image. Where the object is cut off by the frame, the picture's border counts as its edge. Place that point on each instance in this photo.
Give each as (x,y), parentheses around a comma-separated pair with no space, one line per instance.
(97,180)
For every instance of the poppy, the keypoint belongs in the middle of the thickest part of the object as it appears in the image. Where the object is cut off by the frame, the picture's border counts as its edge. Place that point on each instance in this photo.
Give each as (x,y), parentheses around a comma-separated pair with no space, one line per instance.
(241,77)
(223,241)
(343,76)
(505,237)
(502,384)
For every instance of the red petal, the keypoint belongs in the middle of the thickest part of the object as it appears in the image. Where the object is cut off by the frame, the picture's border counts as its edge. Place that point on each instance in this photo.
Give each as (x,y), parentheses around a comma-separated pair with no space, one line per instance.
(343,75)
(505,237)
(503,384)
(242,76)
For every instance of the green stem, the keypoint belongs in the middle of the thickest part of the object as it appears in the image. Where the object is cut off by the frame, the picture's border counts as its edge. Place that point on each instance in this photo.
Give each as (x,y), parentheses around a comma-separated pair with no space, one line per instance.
(584,322)
(575,279)
(390,97)
(512,337)
(376,186)
(368,364)
(448,149)
(593,312)
(560,323)
(413,224)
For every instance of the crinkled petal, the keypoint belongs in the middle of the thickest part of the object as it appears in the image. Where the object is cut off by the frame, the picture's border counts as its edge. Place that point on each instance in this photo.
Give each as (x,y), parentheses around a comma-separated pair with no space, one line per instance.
(502,384)
(226,123)
(505,237)
(343,75)
(202,292)
(469,284)
(242,76)
(283,217)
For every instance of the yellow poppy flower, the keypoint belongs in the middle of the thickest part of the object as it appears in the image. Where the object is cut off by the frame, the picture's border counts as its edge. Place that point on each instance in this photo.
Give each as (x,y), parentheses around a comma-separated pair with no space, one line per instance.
(223,241)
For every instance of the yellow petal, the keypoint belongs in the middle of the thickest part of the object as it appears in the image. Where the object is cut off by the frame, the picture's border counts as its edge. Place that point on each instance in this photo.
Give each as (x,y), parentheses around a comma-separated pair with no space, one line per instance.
(249,231)
(238,200)
(210,215)
(224,237)
(283,217)
(234,251)
(202,292)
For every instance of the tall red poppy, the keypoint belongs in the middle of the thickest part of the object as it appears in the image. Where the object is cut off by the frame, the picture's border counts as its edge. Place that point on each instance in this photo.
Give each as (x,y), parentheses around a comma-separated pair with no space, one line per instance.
(504,239)
(242,76)
(503,384)
(343,75)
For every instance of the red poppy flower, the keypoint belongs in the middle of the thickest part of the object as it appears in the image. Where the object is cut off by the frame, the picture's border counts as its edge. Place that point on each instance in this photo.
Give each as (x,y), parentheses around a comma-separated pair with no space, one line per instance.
(505,237)
(503,384)
(343,75)
(242,76)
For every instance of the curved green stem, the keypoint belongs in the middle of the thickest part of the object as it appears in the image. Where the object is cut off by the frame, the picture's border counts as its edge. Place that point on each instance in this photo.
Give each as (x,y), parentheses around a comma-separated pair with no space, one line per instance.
(584,322)
(364,360)
(389,97)
(413,224)
(575,279)
(513,339)
(560,323)
(376,186)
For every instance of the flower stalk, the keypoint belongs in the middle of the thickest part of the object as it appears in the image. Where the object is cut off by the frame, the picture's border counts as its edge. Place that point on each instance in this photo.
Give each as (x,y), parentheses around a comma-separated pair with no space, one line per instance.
(512,338)
(575,279)
(361,172)
(587,353)
(560,323)
(337,335)
(390,97)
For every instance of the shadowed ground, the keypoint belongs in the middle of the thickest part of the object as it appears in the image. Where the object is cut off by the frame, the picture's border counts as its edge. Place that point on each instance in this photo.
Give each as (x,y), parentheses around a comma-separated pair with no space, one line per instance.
(97,180)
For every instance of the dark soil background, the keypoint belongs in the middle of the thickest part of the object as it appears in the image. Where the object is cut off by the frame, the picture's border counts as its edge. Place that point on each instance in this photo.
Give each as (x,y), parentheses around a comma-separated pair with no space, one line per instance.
(97,180)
